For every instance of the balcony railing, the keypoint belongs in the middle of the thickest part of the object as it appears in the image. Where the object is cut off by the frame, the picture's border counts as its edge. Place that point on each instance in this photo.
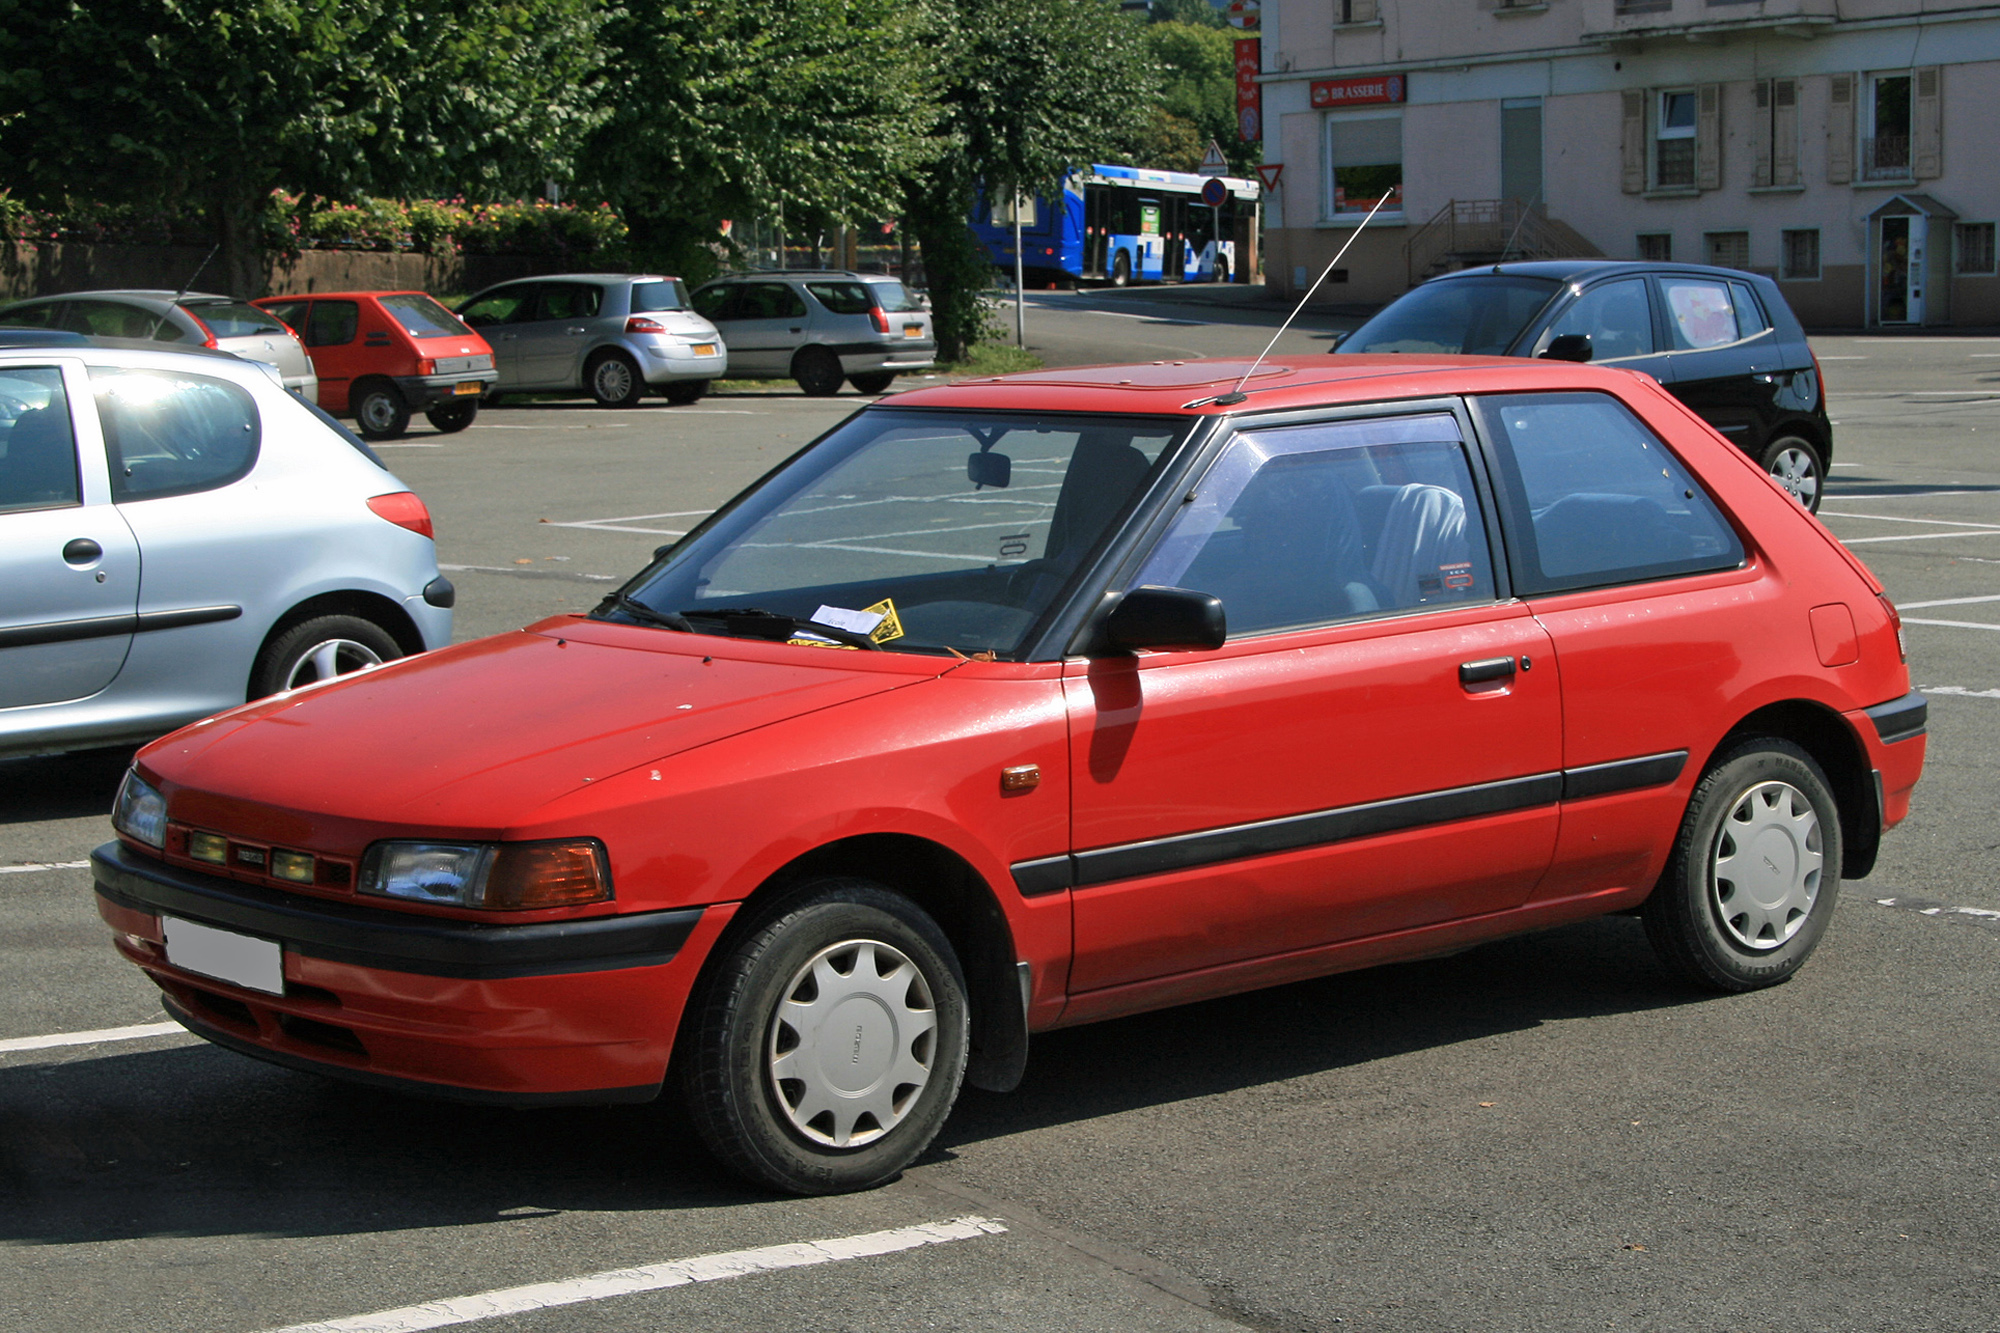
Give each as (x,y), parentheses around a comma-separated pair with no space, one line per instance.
(1886,158)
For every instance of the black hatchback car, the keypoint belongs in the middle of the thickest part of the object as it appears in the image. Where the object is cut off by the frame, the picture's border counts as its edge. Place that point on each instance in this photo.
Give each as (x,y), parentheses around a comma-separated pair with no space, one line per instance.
(1722,341)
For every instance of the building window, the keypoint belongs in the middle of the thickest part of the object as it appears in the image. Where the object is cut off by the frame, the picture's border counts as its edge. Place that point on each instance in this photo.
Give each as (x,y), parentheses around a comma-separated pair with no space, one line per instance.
(1656,247)
(1799,255)
(1643,6)
(1364,156)
(1975,249)
(1674,140)
(1355,11)
(1885,130)
(1727,249)
(1775,132)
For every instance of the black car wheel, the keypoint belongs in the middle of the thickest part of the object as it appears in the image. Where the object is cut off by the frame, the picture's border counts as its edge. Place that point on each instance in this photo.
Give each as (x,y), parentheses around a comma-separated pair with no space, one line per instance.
(1755,871)
(873,381)
(1121,269)
(685,391)
(319,649)
(1798,467)
(454,416)
(1222,268)
(380,412)
(826,1049)
(818,372)
(613,380)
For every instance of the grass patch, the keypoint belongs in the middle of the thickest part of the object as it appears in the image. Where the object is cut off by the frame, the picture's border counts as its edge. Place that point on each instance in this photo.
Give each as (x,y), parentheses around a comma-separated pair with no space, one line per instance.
(992,359)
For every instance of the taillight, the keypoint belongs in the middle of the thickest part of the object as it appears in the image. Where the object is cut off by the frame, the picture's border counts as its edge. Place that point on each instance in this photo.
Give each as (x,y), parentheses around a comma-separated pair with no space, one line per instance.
(881,319)
(1895,620)
(207,334)
(405,510)
(427,365)
(640,324)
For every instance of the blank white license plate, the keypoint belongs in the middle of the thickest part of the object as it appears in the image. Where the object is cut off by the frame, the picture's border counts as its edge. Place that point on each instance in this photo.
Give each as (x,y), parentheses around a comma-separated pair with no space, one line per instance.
(241,960)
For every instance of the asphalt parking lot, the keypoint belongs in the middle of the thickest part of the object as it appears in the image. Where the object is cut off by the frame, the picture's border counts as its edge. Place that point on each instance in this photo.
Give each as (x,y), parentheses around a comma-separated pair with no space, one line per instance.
(1545,1133)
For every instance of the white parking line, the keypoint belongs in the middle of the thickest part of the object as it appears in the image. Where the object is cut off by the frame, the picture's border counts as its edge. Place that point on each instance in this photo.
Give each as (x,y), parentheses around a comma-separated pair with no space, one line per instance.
(655,1277)
(1947,601)
(1951,624)
(1900,518)
(1899,495)
(134,1033)
(30,867)
(1960,692)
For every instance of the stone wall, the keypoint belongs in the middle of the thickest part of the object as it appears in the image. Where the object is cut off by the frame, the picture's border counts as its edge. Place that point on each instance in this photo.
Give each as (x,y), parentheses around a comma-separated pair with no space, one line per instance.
(45,270)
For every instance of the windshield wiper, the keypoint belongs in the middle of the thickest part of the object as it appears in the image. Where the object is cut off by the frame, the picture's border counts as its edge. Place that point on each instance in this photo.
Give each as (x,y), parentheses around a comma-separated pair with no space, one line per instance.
(749,617)
(647,615)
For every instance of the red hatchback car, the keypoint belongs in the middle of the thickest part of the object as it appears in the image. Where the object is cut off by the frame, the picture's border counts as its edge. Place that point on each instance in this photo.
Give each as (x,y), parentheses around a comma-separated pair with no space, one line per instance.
(1032,701)
(382,355)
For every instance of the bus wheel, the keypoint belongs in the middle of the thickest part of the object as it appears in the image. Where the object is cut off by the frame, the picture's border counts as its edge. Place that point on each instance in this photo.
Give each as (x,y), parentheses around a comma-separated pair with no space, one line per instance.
(1121,269)
(1221,268)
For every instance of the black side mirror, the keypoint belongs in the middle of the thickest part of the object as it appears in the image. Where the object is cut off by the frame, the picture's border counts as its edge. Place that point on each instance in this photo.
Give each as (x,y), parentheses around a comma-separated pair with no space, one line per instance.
(1569,347)
(1339,337)
(989,469)
(1154,617)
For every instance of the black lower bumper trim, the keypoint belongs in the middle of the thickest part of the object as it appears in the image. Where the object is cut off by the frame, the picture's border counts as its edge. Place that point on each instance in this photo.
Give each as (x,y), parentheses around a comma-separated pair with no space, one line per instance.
(1901,719)
(389,940)
(644,1092)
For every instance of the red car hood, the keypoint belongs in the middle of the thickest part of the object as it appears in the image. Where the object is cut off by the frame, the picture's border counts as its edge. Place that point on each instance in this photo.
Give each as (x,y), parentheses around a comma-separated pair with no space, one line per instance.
(470,740)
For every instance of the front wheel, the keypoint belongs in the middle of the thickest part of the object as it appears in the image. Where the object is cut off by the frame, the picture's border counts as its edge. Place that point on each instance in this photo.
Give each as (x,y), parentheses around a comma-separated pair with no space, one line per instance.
(380,412)
(1221,269)
(1797,466)
(454,416)
(872,381)
(1755,872)
(1121,269)
(613,380)
(827,1049)
(320,649)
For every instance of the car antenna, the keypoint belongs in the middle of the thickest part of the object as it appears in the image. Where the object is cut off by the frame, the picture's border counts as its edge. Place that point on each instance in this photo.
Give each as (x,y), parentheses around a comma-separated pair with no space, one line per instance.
(161,318)
(1236,394)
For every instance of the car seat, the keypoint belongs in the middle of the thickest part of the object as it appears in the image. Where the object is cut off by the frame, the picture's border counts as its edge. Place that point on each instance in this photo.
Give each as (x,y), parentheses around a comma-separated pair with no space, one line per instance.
(40,465)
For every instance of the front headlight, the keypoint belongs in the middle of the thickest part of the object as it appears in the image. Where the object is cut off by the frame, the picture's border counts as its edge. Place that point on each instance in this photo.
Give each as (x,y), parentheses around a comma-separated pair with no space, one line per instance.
(141,812)
(507,876)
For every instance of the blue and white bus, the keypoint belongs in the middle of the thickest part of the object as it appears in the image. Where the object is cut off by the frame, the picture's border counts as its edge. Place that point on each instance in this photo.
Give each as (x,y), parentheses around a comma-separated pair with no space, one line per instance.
(1122,225)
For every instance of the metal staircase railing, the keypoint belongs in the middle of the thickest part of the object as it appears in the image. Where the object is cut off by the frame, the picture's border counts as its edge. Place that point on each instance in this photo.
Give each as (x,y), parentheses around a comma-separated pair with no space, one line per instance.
(1489,231)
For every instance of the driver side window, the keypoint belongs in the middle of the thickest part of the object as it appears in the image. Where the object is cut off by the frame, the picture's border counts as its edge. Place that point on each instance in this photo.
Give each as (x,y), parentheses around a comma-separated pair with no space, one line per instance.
(1615,316)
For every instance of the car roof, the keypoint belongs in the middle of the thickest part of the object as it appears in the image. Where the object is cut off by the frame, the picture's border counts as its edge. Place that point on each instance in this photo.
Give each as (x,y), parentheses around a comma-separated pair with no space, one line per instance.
(1190,388)
(1579,270)
(14,336)
(140,295)
(584,277)
(340,296)
(147,351)
(760,273)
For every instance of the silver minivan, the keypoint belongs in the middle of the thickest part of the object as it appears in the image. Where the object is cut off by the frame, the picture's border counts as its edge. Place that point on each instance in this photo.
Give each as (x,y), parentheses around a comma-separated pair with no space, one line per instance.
(185,319)
(818,328)
(611,335)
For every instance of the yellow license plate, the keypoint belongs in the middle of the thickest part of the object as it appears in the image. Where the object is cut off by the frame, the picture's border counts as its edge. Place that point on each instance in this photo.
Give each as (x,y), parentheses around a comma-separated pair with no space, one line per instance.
(464,387)
(704,349)
(913,330)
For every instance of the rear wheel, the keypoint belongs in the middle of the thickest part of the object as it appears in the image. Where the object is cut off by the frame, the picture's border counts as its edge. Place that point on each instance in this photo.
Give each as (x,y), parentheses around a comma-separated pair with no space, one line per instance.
(1755,872)
(827,1049)
(685,391)
(1797,466)
(872,381)
(1221,268)
(320,649)
(1121,269)
(454,416)
(380,412)
(818,372)
(613,380)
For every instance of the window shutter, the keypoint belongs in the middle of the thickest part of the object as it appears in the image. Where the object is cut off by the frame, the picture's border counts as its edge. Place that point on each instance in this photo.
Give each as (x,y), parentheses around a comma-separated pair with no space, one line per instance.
(1763,134)
(1927,152)
(1840,129)
(1784,131)
(1634,180)
(1708,138)
(1361,11)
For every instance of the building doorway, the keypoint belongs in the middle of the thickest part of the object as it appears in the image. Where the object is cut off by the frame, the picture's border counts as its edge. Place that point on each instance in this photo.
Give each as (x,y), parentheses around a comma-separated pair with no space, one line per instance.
(1909,258)
(1901,300)
(1521,151)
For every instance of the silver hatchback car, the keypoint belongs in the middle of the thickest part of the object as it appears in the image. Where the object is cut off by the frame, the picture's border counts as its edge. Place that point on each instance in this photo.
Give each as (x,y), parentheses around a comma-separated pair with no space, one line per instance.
(184,319)
(277,550)
(818,328)
(611,335)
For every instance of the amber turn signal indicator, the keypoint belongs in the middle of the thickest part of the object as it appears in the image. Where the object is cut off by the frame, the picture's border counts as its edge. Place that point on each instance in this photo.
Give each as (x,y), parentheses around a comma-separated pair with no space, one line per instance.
(1021,777)
(547,874)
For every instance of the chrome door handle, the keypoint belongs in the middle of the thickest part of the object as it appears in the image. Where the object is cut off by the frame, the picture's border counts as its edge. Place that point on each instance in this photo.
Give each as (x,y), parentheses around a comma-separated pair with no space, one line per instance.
(576,329)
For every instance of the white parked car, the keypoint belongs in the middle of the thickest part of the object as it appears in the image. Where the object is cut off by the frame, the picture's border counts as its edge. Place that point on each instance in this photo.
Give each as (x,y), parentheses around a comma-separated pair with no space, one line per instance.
(184,319)
(178,533)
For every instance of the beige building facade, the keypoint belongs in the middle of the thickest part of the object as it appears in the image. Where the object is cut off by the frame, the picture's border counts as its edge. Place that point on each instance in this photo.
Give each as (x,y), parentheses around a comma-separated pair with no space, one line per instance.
(1848,148)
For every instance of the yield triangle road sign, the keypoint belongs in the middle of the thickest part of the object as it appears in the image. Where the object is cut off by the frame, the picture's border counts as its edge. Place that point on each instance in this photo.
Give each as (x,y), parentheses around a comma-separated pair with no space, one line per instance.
(1269,172)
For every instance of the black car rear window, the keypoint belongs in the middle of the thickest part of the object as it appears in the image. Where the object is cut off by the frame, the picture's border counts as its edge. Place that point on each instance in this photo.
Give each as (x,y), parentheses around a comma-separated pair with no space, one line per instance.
(422,317)
(664,294)
(1481,316)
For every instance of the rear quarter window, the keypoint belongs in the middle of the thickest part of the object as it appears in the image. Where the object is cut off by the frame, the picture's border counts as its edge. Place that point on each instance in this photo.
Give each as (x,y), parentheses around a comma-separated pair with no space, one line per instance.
(1594,498)
(842,298)
(168,433)
(665,294)
(37,450)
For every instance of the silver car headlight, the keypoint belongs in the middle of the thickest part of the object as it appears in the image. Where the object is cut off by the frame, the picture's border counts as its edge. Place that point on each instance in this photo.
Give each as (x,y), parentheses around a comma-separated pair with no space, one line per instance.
(508,876)
(141,812)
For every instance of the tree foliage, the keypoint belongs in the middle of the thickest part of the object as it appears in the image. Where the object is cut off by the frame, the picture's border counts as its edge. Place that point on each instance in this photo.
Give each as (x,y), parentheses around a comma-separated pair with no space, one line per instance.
(222,101)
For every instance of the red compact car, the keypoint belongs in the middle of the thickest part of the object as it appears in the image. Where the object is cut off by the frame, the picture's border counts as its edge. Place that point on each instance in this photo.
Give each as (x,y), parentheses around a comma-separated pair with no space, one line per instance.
(1032,701)
(381,355)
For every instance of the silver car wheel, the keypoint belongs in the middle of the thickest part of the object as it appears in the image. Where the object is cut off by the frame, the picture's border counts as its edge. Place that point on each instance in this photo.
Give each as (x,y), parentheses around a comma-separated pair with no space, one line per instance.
(377,414)
(1798,472)
(1765,873)
(611,382)
(852,1043)
(334,657)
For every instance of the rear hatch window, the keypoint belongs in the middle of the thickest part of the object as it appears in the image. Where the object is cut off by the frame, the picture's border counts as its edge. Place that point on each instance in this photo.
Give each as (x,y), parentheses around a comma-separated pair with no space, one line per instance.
(230,319)
(422,317)
(663,294)
(894,297)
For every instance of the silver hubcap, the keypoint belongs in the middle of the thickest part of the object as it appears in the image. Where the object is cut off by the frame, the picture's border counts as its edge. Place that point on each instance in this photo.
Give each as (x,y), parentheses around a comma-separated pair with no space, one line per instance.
(335,657)
(614,379)
(1795,472)
(852,1043)
(1767,865)
(377,412)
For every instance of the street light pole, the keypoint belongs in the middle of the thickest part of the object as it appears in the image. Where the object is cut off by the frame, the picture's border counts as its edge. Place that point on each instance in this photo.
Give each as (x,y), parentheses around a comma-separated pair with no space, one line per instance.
(1020,299)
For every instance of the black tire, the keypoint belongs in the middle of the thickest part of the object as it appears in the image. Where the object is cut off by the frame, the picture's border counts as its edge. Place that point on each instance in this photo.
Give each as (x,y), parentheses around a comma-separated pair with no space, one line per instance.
(454,416)
(1765,801)
(684,392)
(1797,465)
(1121,269)
(379,411)
(302,653)
(1222,268)
(872,381)
(613,380)
(740,1041)
(818,372)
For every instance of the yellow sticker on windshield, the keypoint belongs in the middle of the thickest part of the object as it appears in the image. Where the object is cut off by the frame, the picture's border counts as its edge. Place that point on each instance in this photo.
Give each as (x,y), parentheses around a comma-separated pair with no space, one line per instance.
(817,642)
(892,624)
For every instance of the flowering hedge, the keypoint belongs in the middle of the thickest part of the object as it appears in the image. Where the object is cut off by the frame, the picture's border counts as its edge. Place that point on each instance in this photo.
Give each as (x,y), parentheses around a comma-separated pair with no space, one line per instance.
(292,223)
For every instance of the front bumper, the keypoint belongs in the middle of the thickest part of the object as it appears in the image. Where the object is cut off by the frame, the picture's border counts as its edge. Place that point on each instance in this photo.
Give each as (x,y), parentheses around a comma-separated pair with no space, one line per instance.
(577,1010)
(421,391)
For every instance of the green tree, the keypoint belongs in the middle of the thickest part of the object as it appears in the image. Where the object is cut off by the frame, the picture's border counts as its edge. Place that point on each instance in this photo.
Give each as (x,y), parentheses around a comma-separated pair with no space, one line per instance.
(1197,98)
(219,102)
(813,111)
(1031,89)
